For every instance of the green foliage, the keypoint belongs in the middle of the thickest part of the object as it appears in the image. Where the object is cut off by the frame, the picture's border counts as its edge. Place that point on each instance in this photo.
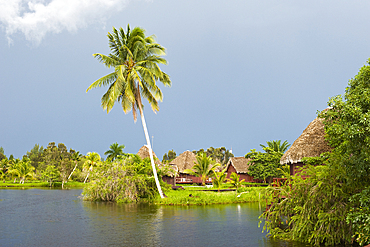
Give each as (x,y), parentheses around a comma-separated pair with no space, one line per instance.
(168,157)
(203,168)
(318,160)
(126,180)
(21,169)
(218,179)
(219,155)
(92,160)
(359,217)
(347,127)
(277,146)
(2,154)
(314,208)
(135,59)
(35,155)
(190,196)
(264,165)
(114,151)
(50,174)
(235,181)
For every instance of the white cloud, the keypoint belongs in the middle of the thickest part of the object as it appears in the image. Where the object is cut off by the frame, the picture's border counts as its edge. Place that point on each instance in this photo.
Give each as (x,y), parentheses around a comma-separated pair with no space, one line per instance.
(36,18)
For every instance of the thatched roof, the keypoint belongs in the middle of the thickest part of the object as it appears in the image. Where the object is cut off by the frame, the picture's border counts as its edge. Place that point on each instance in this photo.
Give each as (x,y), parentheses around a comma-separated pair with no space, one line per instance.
(239,163)
(144,153)
(186,160)
(311,143)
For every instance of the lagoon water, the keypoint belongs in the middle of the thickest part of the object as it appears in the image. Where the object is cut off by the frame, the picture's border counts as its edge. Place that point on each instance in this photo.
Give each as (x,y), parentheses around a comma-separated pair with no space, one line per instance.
(45,217)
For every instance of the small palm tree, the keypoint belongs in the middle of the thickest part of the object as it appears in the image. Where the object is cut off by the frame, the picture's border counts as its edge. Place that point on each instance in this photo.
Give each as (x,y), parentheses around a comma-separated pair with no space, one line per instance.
(235,181)
(203,168)
(92,159)
(114,151)
(135,59)
(277,146)
(22,169)
(219,178)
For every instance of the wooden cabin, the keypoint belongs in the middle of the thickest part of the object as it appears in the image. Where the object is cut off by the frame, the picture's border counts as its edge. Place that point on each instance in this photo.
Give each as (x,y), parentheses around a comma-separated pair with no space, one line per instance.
(184,161)
(311,143)
(240,166)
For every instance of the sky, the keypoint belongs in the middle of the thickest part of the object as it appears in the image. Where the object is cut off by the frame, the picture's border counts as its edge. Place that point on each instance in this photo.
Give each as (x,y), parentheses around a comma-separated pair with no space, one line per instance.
(243,72)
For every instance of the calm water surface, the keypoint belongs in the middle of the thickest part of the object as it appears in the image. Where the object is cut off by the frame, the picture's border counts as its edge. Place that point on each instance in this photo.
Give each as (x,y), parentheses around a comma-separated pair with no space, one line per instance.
(44,217)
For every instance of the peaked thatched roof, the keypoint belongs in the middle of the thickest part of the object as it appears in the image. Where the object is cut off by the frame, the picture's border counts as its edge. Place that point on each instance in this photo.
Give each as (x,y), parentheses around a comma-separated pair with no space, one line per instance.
(239,163)
(186,160)
(144,153)
(311,143)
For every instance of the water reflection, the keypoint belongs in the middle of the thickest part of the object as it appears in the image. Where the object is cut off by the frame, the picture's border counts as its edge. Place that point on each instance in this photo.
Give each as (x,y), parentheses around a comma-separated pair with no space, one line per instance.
(59,218)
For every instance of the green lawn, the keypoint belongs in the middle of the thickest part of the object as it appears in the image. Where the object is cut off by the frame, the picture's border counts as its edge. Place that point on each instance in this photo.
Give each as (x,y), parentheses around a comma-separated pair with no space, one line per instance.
(192,196)
(70,184)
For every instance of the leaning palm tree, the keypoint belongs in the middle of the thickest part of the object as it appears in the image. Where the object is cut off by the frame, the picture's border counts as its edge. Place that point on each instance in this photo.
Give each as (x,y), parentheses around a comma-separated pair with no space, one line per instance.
(76,157)
(92,159)
(277,146)
(114,151)
(135,59)
(203,168)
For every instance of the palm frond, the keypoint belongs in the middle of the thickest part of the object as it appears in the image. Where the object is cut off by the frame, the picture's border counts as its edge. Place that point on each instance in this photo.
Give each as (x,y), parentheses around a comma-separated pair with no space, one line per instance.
(104,81)
(108,61)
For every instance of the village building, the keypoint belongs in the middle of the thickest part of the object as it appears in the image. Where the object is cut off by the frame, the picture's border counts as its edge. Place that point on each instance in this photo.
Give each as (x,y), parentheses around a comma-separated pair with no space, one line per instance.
(240,166)
(144,153)
(184,161)
(311,143)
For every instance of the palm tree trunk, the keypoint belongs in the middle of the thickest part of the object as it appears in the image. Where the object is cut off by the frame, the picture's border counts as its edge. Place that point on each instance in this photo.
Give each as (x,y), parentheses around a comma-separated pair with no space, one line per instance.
(72,171)
(151,154)
(88,173)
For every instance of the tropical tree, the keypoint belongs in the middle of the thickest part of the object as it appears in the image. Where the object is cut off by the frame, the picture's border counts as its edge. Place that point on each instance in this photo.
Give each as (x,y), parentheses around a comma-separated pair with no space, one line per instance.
(220,155)
(203,168)
(92,159)
(22,169)
(169,156)
(50,174)
(135,59)
(4,166)
(35,155)
(114,151)
(277,146)
(265,165)
(76,157)
(219,178)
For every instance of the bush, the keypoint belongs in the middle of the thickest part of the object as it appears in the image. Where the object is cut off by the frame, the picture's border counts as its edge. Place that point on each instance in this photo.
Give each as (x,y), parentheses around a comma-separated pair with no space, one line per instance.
(127,180)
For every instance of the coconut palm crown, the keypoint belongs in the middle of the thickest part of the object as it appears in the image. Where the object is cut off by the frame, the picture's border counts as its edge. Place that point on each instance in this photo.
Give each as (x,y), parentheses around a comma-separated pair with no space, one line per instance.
(277,146)
(135,60)
(114,150)
(203,168)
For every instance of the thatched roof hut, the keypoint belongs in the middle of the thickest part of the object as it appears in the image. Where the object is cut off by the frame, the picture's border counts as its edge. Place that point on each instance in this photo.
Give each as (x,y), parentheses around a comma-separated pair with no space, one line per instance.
(239,163)
(311,143)
(184,161)
(240,166)
(144,153)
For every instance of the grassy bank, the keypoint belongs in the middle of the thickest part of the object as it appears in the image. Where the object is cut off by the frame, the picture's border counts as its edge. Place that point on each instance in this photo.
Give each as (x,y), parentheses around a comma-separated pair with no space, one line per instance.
(10,184)
(193,196)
